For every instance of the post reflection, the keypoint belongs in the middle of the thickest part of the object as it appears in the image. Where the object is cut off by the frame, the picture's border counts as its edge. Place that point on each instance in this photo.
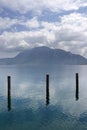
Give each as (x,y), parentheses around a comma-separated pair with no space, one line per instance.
(9,102)
(9,93)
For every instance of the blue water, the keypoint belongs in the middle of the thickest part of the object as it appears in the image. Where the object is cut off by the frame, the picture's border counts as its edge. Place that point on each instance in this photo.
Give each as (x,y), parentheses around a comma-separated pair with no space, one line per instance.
(29,109)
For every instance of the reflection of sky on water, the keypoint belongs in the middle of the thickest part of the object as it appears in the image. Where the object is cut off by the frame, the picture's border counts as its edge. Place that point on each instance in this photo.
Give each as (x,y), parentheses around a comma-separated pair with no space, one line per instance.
(28,88)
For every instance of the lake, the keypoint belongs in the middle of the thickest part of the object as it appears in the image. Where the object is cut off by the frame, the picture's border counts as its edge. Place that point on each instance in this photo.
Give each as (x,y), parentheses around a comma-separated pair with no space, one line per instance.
(31,107)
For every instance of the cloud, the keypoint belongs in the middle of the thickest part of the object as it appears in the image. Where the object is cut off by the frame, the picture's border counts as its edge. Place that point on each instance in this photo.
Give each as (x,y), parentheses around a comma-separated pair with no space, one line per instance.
(6,22)
(69,33)
(21,6)
(31,23)
(73,32)
(38,6)
(17,41)
(13,41)
(78,21)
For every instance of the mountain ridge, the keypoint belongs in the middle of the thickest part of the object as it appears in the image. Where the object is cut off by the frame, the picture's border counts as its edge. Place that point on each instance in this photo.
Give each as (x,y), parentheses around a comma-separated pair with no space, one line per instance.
(45,55)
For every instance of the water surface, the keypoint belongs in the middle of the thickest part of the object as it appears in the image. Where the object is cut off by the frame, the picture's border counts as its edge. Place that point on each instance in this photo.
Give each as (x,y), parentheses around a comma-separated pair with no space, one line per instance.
(30,108)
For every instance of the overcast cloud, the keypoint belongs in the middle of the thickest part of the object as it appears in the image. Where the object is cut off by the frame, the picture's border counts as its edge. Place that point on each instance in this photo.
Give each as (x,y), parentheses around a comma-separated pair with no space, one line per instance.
(30,23)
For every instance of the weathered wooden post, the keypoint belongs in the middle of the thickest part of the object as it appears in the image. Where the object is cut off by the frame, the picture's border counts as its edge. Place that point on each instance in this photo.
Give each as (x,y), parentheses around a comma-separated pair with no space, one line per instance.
(77,86)
(9,92)
(47,89)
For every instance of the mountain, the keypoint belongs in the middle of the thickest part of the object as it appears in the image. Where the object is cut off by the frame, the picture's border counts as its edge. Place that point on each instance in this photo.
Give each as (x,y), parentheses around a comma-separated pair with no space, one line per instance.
(45,55)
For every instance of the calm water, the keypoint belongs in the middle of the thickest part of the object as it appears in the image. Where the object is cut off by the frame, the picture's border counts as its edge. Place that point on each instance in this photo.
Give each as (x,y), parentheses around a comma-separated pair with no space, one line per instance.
(31,109)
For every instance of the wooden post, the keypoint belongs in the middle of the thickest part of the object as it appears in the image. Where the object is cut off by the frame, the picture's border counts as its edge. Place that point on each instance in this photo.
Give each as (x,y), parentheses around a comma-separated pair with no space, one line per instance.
(9,92)
(47,89)
(77,86)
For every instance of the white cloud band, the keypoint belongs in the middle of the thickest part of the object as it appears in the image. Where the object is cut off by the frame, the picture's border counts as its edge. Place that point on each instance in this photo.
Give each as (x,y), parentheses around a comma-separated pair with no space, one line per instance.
(23,6)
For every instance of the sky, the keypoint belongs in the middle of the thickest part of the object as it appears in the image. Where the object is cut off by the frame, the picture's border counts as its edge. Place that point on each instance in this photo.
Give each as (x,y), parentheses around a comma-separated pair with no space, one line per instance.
(25,24)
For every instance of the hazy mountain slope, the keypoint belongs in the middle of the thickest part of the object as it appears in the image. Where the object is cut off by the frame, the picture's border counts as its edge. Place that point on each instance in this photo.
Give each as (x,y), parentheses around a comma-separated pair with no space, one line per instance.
(45,55)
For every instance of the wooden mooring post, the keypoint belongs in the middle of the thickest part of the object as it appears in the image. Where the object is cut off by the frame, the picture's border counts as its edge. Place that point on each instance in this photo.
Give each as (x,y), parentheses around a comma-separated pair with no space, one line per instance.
(47,89)
(77,86)
(9,92)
